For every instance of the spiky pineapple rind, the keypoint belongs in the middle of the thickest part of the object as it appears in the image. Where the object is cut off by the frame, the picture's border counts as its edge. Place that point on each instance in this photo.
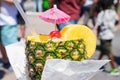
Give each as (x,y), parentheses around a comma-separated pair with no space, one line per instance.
(38,52)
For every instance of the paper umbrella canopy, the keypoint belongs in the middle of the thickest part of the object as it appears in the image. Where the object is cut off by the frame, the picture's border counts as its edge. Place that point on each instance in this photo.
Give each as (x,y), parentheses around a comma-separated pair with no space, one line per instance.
(54,15)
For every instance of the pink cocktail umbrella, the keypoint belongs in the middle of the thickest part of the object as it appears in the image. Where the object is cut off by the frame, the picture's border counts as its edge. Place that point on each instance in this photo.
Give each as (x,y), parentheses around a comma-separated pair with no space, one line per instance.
(54,15)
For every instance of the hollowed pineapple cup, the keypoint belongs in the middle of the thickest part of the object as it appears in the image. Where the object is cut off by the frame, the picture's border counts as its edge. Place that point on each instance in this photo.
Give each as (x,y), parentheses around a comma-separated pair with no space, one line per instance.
(78,43)
(38,52)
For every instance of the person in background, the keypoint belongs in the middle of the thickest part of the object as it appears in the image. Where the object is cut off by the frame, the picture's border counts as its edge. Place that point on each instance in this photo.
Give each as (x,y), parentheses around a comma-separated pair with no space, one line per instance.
(8,28)
(38,5)
(70,7)
(21,22)
(45,5)
(106,21)
(87,11)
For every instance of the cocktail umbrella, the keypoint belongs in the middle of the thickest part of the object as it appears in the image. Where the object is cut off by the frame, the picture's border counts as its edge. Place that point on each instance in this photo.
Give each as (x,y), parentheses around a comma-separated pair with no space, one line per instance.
(54,15)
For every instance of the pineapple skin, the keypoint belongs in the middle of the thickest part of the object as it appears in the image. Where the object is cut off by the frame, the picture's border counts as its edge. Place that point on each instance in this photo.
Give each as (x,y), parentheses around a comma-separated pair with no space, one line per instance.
(38,52)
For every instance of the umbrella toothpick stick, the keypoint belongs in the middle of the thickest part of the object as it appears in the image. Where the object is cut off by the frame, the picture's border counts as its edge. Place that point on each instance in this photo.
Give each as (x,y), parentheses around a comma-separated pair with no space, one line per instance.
(55,6)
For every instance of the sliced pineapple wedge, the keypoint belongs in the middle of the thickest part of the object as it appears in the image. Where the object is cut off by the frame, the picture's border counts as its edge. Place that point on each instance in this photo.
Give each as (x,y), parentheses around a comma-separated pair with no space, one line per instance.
(76,31)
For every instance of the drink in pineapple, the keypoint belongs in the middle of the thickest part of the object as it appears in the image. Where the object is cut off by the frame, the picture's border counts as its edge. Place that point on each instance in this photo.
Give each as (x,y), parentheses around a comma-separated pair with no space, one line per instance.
(77,43)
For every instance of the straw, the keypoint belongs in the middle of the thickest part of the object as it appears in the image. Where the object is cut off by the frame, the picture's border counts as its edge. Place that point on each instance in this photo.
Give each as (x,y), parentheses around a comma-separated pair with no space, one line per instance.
(18,6)
(21,12)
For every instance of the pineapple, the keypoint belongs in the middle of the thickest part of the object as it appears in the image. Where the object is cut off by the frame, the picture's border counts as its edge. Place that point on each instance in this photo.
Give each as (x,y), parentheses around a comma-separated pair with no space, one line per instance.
(78,45)
(69,50)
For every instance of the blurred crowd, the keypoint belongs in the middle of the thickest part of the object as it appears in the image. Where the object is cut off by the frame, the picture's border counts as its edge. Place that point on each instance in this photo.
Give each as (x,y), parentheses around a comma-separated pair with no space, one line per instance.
(103,13)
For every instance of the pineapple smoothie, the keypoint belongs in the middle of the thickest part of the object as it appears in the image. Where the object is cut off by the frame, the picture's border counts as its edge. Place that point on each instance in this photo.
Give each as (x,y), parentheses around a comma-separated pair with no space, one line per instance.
(73,42)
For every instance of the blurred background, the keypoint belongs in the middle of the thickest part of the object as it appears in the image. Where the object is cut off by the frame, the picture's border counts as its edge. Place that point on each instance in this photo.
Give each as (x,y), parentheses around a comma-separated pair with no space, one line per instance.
(34,7)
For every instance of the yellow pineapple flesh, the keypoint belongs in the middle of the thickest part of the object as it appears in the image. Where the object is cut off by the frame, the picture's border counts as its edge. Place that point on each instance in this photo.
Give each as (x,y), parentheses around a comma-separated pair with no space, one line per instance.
(76,31)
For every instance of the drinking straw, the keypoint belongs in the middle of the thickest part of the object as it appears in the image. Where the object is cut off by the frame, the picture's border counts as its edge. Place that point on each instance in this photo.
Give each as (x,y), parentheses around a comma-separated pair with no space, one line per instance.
(18,6)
